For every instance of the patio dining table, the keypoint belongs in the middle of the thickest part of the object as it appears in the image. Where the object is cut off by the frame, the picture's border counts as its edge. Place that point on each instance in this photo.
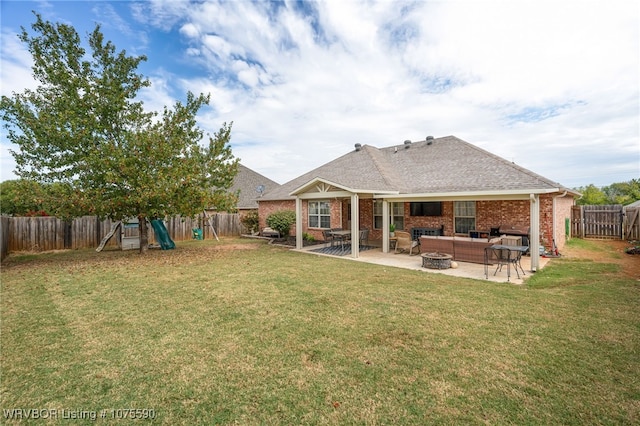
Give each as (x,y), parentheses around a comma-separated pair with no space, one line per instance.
(503,254)
(342,235)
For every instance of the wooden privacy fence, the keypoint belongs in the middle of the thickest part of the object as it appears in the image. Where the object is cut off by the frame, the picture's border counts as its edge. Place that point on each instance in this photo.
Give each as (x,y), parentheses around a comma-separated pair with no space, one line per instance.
(225,224)
(50,233)
(607,222)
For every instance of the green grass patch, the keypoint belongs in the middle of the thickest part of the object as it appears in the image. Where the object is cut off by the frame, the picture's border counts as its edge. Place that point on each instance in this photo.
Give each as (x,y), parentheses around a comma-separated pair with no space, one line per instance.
(243,332)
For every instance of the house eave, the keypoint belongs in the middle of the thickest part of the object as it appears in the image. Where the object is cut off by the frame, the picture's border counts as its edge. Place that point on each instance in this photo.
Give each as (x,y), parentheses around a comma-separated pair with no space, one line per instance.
(517,194)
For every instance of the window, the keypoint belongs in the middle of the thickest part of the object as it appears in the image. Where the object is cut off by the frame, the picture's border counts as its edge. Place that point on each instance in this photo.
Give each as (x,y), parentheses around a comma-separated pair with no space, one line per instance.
(396,214)
(426,208)
(464,213)
(319,214)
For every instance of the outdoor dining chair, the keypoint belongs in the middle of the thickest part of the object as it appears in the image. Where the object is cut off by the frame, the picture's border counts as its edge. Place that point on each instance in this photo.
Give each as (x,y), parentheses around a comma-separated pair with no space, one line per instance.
(364,236)
(328,236)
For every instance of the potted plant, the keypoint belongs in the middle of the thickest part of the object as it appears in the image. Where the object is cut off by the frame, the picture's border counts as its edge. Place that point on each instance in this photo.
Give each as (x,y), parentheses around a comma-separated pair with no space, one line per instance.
(392,229)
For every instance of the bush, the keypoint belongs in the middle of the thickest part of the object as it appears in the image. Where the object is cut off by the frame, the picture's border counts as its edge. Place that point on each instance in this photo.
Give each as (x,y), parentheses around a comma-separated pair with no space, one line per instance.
(281,221)
(250,220)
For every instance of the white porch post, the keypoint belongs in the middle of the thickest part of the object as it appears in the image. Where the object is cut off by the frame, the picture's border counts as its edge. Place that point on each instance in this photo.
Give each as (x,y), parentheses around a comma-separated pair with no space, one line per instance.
(299,243)
(355,225)
(534,230)
(385,226)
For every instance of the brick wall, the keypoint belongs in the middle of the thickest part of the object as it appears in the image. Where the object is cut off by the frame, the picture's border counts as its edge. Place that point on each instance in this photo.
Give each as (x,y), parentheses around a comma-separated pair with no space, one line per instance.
(563,212)
(430,221)
(265,208)
(492,214)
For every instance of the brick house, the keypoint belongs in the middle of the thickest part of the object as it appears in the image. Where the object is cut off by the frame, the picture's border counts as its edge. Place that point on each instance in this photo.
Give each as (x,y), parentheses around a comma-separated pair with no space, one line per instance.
(443,183)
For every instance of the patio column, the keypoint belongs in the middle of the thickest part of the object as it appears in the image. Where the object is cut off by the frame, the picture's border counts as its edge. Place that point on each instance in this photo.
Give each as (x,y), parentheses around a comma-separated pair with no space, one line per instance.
(355,225)
(385,226)
(534,231)
(299,243)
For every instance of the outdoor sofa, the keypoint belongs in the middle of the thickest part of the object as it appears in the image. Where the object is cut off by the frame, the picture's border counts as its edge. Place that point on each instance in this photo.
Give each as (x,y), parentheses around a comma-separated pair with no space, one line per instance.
(463,249)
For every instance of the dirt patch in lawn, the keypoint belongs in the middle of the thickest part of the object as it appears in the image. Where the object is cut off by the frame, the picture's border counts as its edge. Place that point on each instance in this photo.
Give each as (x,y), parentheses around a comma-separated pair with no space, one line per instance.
(613,251)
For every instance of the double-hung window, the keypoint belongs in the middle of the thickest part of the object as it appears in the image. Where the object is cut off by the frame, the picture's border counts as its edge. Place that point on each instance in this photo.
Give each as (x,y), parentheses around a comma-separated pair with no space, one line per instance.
(319,214)
(464,213)
(396,214)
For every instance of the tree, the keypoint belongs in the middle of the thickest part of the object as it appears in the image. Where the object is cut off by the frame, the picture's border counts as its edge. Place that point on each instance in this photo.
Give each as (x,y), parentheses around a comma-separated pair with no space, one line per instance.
(84,129)
(591,196)
(617,193)
(22,197)
(623,192)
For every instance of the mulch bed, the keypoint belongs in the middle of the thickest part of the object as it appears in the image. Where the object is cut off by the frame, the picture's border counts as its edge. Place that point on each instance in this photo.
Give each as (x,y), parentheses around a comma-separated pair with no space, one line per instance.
(291,241)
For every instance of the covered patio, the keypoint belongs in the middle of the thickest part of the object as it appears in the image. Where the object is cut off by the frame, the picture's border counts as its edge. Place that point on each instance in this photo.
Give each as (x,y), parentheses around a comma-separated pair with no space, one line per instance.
(464,270)
(439,187)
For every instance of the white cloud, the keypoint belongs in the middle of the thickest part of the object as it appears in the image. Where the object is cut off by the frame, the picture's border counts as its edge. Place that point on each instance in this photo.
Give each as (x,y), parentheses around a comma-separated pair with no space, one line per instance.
(552,86)
(190,30)
(15,77)
(528,81)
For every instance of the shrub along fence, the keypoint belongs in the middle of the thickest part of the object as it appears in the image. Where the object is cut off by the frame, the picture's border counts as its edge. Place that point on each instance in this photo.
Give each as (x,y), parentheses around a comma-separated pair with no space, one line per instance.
(50,233)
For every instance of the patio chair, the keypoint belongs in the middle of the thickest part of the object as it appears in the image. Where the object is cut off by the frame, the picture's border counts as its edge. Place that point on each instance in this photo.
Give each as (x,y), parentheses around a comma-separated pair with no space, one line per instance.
(328,236)
(404,242)
(364,236)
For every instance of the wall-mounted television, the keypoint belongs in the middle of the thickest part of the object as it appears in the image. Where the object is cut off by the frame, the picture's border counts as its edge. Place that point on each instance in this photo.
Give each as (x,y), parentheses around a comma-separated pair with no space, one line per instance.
(426,208)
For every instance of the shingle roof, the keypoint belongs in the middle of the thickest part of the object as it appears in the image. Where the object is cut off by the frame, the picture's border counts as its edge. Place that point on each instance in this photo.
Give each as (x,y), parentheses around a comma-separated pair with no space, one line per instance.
(441,165)
(247,182)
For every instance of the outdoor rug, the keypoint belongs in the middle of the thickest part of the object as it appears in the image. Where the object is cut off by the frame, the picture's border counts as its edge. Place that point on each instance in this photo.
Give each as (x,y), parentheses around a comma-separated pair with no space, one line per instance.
(338,250)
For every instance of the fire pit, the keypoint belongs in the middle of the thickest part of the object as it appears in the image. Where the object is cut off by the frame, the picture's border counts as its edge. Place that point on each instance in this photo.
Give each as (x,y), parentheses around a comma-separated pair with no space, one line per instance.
(436,260)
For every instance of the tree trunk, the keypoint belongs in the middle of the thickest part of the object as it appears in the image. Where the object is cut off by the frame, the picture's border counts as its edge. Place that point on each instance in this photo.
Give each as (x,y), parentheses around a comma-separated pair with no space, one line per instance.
(144,234)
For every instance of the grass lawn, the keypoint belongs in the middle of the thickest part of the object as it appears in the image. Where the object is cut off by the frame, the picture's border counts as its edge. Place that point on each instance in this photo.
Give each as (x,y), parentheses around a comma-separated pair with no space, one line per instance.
(242,332)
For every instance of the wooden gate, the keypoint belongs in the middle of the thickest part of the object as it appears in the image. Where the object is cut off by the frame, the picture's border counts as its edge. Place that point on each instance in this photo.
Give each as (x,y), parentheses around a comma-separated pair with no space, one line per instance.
(631,223)
(597,221)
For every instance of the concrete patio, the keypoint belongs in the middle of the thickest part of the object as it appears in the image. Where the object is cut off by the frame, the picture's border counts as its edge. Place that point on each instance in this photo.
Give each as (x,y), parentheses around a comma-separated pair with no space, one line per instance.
(414,262)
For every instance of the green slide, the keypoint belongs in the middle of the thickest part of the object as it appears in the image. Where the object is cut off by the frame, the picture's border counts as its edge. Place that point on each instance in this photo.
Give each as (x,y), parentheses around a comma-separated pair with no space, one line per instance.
(162,236)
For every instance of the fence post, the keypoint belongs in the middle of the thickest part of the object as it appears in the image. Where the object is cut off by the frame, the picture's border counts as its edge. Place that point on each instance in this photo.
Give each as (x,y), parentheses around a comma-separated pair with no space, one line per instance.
(4,237)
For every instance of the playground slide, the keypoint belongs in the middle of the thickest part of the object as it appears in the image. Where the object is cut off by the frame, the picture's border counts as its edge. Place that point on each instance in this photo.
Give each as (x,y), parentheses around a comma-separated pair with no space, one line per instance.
(162,236)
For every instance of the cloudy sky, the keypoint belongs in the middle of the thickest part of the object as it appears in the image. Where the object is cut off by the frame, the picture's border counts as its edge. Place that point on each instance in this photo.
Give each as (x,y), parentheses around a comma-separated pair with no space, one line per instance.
(550,85)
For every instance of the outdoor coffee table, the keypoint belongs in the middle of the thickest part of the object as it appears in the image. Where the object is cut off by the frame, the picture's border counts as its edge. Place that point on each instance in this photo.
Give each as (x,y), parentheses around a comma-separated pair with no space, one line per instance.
(436,260)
